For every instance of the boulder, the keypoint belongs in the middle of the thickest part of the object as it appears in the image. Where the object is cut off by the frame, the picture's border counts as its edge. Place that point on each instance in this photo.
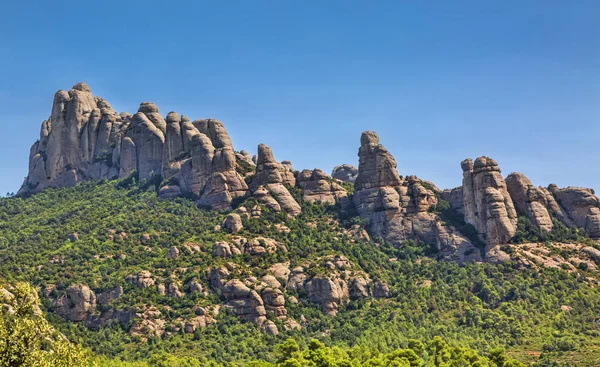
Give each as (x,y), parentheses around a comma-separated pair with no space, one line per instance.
(224,249)
(195,286)
(244,302)
(143,279)
(109,296)
(329,293)
(77,304)
(274,302)
(173,291)
(173,253)
(233,223)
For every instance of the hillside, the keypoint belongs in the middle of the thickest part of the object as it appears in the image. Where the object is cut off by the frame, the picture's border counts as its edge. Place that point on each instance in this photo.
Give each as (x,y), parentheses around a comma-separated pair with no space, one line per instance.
(138,276)
(150,239)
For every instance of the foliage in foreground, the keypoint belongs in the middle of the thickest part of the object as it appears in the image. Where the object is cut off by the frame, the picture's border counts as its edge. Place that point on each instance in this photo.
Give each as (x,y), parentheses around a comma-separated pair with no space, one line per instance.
(27,339)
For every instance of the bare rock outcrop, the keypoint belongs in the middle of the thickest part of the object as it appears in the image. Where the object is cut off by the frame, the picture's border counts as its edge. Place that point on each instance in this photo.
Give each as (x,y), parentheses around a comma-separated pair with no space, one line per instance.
(581,205)
(224,249)
(244,302)
(109,296)
(268,183)
(143,279)
(78,142)
(345,173)
(77,304)
(318,187)
(233,223)
(146,132)
(529,200)
(397,209)
(329,293)
(85,139)
(487,204)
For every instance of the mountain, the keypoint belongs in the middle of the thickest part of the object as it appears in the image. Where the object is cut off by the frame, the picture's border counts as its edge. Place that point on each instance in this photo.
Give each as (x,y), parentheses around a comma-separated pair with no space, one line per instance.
(151,239)
(85,139)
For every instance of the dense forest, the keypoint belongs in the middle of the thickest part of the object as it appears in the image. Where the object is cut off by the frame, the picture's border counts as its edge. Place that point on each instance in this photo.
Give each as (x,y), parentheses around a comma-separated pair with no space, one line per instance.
(436,313)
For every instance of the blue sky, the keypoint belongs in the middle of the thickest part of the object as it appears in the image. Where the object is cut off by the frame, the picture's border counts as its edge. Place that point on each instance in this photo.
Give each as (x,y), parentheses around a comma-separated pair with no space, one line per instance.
(439,81)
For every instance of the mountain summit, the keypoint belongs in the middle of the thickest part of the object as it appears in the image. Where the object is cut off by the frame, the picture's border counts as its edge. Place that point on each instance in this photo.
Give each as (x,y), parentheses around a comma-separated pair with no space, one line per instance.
(85,139)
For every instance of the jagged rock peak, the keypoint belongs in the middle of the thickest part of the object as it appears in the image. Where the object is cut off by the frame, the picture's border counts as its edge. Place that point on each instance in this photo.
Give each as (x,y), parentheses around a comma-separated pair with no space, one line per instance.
(265,155)
(487,205)
(376,167)
(369,138)
(215,130)
(485,164)
(268,184)
(398,209)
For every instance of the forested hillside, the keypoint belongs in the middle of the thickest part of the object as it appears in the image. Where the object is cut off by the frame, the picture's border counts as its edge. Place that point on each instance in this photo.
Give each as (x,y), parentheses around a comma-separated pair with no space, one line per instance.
(136,278)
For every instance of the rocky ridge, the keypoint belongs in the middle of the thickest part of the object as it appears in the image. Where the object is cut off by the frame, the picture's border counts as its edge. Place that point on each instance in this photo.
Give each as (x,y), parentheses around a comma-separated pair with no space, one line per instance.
(85,139)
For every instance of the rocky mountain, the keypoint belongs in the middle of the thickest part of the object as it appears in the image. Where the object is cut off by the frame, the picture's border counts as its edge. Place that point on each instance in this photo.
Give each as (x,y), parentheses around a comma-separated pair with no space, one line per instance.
(141,232)
(85,139)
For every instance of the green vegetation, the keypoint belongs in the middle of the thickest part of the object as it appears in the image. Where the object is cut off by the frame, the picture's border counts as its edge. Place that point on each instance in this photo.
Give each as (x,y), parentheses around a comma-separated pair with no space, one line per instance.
(123,228)
(27,339)
(528,232)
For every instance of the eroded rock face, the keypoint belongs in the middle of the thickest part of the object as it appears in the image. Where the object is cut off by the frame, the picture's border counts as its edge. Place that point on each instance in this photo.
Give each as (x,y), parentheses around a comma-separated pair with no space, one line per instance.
(345,173)
(529,201)
(148,139)
(268,183)
(581,205)
(487,204)
(244,302)
(78,142)
(318,187)
(85,139)
(78,302)
(397,209)
(329,293)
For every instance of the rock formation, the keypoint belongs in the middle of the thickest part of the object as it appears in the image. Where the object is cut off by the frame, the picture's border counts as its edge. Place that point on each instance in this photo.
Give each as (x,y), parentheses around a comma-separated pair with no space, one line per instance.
(529,201)
(78,302)
(318,187)
(345,173)
(85,139)
(397,209)
(268,183)
(78,142)
(487,205)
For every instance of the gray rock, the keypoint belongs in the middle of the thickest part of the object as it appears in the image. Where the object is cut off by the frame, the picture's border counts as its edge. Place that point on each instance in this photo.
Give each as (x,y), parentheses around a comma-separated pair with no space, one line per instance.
(233,223)
(77,304)
(268,184)
(486,201)
(345,172)
(318,187)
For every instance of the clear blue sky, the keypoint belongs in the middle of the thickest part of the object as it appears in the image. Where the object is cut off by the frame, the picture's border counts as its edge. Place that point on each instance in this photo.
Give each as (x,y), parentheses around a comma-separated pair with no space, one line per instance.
(438,80)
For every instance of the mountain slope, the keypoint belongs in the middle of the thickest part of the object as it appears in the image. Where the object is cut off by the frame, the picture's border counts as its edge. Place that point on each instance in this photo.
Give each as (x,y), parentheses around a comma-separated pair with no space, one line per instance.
(89,248)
